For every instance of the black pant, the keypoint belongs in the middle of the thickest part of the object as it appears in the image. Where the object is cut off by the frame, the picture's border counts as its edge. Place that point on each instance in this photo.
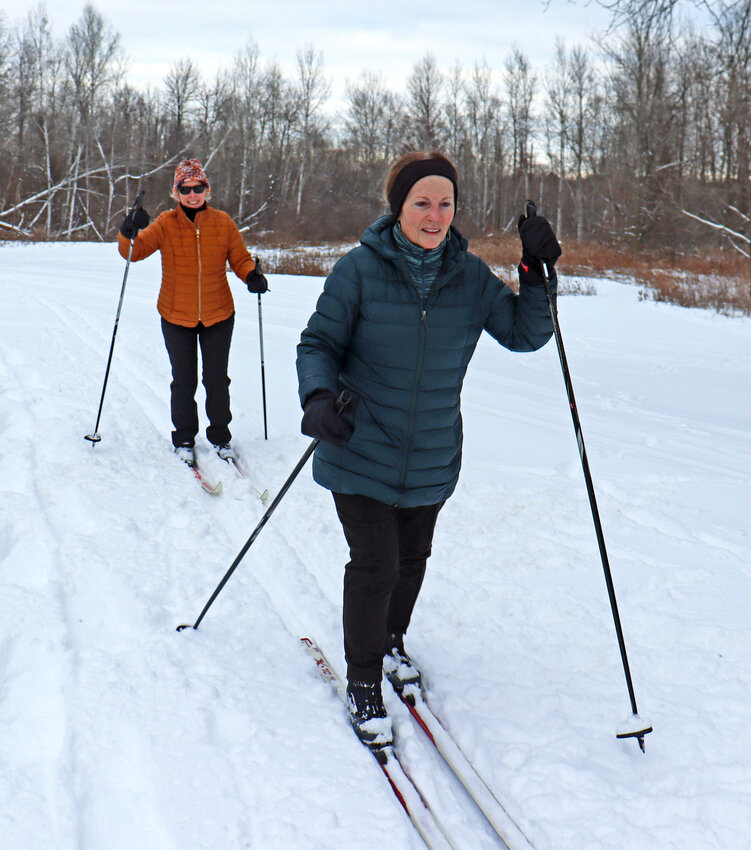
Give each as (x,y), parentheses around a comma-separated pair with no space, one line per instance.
(388,549)
(182,347)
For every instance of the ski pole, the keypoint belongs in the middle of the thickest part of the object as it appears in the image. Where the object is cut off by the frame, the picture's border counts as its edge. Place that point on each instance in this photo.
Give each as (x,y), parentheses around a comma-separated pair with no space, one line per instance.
(95,437)
(263,368)
(342,402)
(642,726)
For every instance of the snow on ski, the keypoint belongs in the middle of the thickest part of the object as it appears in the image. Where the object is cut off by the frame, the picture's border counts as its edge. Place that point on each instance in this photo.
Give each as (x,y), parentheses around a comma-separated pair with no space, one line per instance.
(406,791)
(241,471)
(509,832)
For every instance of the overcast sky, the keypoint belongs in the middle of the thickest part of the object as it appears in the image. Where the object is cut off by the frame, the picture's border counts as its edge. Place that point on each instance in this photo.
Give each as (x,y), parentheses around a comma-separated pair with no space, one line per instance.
(388,37)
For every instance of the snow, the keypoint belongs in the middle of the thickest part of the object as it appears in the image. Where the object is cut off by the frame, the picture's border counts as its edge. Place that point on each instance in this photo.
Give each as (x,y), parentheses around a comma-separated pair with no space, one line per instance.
(120,732)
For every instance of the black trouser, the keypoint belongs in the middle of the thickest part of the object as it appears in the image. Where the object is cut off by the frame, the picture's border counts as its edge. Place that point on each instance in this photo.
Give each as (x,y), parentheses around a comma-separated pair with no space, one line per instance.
(182,347)
(388,549)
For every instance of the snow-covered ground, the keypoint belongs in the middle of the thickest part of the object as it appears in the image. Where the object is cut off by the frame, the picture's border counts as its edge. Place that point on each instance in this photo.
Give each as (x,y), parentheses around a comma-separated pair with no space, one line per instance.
(119,733)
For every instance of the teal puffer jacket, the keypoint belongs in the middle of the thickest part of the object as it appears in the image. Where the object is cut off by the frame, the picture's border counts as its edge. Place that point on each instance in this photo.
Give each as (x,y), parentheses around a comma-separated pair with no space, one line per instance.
(404,362)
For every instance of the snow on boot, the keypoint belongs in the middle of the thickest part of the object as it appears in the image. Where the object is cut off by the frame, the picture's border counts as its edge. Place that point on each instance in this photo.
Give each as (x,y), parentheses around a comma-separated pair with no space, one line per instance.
(186,453)
(226,452)
(398,667)
(368,714)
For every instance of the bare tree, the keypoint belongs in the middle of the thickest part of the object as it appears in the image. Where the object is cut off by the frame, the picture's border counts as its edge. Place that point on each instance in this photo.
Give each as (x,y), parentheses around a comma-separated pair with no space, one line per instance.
(731,60)
(182,87)
(583,117)
(313,89)
(520,88)
(370,119)
(425,127)
(94,65)
(246,96)
(279,113)
(734,55)
(453,109)
(46,101)
(644,10)
(645,121)
(6,72)
(558,108)
(214,114)
(482,111)
(94,58)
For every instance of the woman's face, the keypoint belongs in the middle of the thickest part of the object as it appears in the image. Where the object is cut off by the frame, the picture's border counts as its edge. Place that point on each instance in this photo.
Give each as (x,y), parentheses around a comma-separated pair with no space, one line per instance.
(194,199)
(428,210)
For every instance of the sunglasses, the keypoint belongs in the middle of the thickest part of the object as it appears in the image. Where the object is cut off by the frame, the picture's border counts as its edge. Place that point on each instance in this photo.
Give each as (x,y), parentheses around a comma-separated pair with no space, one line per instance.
(186,190)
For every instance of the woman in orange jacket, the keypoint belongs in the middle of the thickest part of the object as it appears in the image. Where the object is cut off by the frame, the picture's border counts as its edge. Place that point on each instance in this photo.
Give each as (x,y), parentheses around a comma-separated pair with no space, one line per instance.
(196,242)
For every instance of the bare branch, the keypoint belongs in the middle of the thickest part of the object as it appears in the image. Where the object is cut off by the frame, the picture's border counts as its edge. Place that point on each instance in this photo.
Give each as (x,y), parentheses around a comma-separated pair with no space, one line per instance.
(741,214)
(721,227)
(50,190)
(15,229)
(250,218)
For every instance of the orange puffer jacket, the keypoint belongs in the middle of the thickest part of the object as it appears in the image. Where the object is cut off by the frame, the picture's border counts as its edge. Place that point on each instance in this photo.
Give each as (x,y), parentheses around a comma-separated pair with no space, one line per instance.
(194,258)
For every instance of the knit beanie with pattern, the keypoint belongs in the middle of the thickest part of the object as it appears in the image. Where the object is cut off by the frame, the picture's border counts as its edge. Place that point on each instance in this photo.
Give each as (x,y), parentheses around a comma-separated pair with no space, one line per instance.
(189,169)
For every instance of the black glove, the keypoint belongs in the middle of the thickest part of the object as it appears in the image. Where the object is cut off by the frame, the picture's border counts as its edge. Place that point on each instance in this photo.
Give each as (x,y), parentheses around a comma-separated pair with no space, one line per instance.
(255,281)
(321,420)
(538,242)
(134,221)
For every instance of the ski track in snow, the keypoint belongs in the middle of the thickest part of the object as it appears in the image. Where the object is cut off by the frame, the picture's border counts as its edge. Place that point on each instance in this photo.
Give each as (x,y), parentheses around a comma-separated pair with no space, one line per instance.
(119,732)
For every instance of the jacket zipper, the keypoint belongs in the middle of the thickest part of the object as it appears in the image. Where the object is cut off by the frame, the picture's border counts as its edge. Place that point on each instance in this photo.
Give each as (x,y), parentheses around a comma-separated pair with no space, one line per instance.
(415,383)
(423,308)
(198,248)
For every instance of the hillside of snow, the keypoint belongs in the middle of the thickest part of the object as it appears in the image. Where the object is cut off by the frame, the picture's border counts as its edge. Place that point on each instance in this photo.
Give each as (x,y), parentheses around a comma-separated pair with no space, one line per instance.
(119,733)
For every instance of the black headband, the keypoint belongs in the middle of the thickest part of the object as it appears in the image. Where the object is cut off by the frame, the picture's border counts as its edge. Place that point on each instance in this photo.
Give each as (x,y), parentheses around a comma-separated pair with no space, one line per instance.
(410,174)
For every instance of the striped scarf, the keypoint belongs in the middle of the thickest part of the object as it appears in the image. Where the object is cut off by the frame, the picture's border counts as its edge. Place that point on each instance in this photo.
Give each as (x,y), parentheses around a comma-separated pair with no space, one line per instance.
(423,265)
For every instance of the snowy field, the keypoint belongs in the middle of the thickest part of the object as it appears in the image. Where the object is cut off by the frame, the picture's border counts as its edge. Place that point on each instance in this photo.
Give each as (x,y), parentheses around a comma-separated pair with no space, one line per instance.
(119,733)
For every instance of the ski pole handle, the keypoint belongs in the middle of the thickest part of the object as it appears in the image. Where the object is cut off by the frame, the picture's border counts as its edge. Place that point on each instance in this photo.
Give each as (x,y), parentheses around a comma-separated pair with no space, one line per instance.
(345,397)
(530,210)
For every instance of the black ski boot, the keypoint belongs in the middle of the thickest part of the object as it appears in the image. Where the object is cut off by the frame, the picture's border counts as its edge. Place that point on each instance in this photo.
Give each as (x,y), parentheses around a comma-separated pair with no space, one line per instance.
(187,453)
(225,452)
(368,714)
(398,667)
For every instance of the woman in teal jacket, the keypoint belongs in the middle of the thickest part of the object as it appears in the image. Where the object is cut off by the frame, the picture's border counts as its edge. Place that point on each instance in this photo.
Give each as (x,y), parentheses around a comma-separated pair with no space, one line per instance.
(396,326)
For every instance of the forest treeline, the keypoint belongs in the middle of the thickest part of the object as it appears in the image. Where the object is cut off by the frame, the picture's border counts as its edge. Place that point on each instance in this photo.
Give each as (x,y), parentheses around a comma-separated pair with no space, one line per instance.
(640,138)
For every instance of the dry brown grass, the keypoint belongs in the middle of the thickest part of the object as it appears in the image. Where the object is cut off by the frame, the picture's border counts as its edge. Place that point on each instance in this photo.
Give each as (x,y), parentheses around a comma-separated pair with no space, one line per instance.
(315,260)
(716,280)
(709,281)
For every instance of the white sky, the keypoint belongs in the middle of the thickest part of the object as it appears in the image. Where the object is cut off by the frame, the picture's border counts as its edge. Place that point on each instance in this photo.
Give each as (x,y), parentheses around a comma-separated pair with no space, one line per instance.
(387,37)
